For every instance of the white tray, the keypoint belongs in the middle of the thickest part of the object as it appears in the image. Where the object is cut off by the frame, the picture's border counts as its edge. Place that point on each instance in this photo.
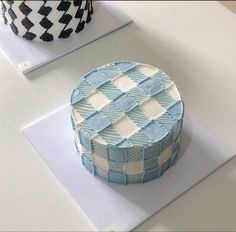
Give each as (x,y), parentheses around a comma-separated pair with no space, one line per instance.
(28,56)
(125,207)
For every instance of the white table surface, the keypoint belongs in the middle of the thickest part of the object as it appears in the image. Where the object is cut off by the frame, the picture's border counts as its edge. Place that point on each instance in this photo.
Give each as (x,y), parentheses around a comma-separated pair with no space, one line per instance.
(195,43)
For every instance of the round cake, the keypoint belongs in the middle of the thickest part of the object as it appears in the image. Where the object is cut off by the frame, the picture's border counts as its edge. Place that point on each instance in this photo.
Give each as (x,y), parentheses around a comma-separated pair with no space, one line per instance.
(46,20)
(127,120)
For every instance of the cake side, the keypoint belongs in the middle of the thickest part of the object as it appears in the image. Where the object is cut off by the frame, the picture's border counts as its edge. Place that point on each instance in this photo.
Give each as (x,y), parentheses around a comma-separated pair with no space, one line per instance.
(46,20)
(127,120)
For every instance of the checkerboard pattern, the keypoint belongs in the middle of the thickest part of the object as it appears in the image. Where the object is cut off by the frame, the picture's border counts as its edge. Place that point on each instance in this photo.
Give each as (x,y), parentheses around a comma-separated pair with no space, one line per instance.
(127,121)
(46,20)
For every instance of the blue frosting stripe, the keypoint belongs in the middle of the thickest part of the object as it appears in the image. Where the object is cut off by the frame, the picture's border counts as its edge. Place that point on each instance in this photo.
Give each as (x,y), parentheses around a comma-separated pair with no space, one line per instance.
(98,121)
(134,179)
(174,155)
(116,177)
(151,174)
(111,136)
(138,117)
(152,151)
(84,108)
(116,166)
(84,87)
(125,103)
(124,144)
(88,164)
(110,90)
(154,131)
(110,71)
(137,94)
(147,135)
(125,66)
(100,149)
(164,99)
(76,97)
(162,79)
(177,130)
(112,112)
(134,154)
(138,139)
(166,141)
(176,110)
(87,129)
(150,164)
(165,166)
(136,75)
(167,121)
(116,154)
(87,155)
(96,79)
(150,87)
(74,126)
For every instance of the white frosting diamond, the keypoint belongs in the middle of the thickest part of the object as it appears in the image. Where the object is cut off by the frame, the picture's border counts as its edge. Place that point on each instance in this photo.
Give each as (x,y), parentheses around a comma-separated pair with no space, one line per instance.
(164,156)
(147,70)
(152,108)
(125,127)
(98,100)
(173,92)
(101,162)
(99,139)
(134,167)
(77,117)
(124,83)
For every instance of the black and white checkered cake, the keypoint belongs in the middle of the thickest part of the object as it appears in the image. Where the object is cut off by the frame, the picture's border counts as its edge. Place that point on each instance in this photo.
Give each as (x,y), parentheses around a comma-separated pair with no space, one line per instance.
(46,20)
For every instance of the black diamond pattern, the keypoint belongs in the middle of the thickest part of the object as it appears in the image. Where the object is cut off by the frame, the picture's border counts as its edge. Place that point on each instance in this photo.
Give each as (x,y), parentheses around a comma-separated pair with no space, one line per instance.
(64,5)
(24,9)
(10,2)
(4,10)
(80,12)
(13,17)
(26,22)
(90,11)
(65,19)
(14,28)
(80,27)
(45,10)
(12,14)
(45,22)
(29,35)
(78,3)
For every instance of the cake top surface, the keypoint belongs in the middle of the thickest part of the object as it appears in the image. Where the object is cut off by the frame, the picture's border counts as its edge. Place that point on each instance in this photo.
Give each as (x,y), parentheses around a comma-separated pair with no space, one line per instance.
(126,104)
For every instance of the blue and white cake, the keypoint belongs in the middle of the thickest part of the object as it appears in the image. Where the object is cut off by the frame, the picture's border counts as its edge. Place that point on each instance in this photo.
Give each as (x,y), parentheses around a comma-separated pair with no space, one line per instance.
(127,120)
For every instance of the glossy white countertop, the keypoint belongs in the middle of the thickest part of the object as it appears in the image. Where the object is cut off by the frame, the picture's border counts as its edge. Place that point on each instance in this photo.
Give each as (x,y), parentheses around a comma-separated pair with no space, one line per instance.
(192,41)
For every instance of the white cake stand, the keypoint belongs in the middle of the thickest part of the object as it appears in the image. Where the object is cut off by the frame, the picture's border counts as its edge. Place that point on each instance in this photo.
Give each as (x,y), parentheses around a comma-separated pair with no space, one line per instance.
(115,207)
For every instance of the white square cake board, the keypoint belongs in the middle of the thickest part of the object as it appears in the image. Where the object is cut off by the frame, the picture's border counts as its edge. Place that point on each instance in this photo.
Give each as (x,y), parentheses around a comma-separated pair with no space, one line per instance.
(125,207)
(30,55)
